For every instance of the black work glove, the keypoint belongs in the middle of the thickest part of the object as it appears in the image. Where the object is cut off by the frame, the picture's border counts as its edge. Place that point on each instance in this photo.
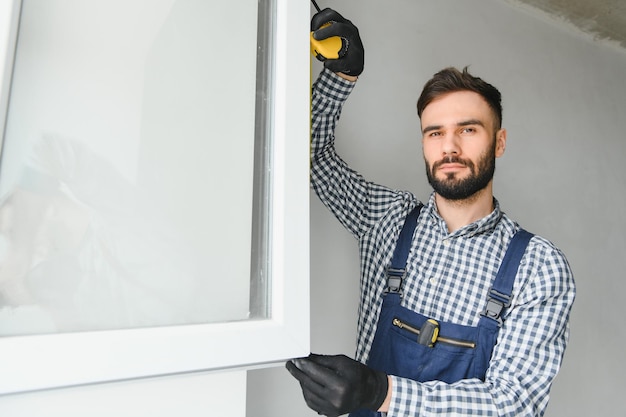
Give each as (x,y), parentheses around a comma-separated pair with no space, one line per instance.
(352,55)
(336,385)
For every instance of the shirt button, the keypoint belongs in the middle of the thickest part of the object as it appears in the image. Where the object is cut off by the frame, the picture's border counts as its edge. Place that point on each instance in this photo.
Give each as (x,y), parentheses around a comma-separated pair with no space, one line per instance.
(433,280)
(446,242)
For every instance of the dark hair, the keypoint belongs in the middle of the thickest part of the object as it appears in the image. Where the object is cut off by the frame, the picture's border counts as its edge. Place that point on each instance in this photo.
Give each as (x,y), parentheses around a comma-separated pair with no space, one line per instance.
(450,80)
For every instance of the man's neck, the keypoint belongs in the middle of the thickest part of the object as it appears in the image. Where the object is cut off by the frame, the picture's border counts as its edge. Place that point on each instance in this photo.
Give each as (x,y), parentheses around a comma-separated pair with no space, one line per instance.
(460,213)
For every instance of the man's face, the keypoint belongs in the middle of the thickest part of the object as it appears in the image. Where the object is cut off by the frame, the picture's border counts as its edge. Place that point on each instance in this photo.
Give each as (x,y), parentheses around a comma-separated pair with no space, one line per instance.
(460,144)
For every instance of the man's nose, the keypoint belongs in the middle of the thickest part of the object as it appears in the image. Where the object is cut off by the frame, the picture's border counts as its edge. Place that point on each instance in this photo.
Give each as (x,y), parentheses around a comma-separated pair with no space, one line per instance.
(450,145)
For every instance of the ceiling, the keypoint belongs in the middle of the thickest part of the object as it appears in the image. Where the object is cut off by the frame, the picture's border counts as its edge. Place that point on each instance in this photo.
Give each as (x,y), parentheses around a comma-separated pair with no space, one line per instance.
(604,20)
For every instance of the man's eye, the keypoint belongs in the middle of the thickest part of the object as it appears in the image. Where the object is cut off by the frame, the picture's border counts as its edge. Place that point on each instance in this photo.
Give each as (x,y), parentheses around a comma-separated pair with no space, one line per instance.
(468,130)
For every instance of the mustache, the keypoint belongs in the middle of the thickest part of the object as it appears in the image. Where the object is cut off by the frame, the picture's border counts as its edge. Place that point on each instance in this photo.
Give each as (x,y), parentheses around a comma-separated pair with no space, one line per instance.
(452,159)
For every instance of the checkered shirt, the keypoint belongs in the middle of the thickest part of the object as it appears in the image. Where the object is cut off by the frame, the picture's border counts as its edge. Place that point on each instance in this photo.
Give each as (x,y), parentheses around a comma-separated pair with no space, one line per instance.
(448,279)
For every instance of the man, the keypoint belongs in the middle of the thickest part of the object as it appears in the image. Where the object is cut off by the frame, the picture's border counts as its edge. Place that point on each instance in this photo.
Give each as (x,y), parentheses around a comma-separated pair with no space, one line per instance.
(462,311)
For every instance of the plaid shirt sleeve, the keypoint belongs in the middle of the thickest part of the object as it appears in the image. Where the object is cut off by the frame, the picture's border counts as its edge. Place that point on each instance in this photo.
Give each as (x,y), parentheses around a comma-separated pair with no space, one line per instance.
(527,356)
(355,202)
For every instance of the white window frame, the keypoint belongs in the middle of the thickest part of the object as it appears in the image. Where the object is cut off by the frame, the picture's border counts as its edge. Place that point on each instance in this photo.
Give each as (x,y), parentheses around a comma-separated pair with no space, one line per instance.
(57,360)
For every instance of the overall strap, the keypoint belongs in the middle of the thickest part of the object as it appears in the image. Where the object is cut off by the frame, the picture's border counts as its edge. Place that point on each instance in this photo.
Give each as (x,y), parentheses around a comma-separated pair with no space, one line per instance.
(500,293)
(395,272)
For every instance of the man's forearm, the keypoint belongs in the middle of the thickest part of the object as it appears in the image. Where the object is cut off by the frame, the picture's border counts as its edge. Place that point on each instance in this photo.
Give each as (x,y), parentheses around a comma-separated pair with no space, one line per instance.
(352,78)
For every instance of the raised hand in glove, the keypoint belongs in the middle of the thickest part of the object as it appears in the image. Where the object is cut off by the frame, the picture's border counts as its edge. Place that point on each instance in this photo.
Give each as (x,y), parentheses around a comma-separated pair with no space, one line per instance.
(336,385)
(352,56)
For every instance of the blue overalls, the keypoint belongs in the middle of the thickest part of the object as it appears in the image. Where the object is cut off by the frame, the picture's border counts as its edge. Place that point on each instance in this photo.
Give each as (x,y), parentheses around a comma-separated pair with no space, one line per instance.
(410,345)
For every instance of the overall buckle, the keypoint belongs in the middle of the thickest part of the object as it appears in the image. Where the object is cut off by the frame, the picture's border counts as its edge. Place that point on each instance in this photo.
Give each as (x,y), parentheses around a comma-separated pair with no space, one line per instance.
(395,277)
(496,304)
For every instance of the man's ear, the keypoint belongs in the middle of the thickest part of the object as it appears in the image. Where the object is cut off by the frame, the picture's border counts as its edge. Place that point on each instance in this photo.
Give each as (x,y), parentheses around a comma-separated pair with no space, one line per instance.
(500,142)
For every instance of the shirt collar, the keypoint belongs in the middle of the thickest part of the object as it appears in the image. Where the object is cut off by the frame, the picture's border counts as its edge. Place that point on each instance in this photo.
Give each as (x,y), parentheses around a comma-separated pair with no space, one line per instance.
(486,224)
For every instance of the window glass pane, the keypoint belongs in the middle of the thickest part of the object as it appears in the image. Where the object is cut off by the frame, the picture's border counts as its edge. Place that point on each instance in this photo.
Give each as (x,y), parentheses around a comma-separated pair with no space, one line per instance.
(134,170)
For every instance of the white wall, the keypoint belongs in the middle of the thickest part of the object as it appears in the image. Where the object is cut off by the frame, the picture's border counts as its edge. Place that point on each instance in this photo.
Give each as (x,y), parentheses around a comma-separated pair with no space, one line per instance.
(562,176)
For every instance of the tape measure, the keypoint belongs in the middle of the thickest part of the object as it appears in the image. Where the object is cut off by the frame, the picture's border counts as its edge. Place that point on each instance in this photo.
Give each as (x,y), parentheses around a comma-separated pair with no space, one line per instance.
(329,48)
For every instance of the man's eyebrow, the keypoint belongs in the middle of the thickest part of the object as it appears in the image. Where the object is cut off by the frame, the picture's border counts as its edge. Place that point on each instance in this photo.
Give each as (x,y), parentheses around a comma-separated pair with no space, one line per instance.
(471,122)
(431,128)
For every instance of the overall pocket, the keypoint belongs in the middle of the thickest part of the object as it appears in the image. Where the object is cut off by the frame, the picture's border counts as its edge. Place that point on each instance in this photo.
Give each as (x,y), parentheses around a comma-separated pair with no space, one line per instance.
(449,359)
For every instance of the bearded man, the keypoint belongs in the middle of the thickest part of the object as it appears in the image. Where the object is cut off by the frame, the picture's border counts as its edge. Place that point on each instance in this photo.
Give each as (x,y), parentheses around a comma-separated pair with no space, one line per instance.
(462,311)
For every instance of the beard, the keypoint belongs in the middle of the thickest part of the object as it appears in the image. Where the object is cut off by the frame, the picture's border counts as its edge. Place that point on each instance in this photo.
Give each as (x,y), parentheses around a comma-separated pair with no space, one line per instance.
(453,188)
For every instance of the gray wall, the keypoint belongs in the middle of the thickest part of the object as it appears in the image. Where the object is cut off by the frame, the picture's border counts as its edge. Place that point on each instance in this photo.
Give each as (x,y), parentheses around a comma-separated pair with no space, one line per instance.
(562,175)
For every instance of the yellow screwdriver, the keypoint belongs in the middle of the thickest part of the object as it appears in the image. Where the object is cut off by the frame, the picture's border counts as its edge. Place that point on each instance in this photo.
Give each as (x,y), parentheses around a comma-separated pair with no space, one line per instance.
(329,48)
